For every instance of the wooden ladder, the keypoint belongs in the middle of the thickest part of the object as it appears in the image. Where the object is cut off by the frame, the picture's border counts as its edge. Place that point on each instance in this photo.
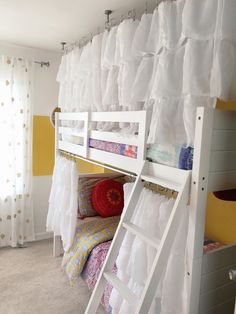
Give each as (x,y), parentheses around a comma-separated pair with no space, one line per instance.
(179,182)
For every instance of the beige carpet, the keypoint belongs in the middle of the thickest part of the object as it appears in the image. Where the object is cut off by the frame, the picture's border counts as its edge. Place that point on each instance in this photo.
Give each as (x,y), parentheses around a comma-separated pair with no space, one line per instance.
(32,282)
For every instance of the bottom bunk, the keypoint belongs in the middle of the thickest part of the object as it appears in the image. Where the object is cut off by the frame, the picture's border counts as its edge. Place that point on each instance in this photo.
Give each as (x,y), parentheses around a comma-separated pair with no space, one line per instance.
(93,239)
(151,214)
(94,234)
(217,291)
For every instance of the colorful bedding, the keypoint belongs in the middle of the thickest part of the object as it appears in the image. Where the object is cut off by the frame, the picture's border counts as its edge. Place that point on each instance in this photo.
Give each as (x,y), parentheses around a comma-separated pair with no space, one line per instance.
(115,148)
(169,155)
(88,236)
(111,147)
(96,259)
(210,245)
(92,269)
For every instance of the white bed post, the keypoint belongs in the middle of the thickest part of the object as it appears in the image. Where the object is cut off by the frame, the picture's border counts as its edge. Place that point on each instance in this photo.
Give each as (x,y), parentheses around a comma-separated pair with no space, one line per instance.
(143,134)
(56,239)
(86,136)
(199,190)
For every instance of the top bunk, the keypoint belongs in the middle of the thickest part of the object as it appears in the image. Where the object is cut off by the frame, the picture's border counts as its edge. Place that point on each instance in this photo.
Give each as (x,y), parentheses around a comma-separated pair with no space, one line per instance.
(214,145)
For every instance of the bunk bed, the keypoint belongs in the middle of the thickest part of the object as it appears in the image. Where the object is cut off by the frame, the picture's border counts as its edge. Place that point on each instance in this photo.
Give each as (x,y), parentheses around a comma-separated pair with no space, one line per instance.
(214,169)
(155,65)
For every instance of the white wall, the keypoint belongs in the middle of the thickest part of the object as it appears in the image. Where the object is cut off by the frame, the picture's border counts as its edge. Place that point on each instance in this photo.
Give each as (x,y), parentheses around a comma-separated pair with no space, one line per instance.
(42,186)
(44,100)
(45,87)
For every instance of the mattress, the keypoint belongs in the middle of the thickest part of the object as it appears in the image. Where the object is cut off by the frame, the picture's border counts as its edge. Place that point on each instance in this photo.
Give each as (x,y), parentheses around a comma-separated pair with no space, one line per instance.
(169,155)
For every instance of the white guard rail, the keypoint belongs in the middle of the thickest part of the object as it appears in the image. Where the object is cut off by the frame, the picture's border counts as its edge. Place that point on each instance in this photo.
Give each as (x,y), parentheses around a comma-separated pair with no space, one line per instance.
(80,143)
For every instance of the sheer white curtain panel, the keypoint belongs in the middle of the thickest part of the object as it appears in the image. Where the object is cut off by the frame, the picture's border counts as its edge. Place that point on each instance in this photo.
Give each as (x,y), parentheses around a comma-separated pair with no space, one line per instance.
(16,207)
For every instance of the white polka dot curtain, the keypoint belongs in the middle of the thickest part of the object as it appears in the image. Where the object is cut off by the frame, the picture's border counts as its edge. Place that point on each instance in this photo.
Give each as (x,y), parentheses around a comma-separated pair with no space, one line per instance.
(16,211)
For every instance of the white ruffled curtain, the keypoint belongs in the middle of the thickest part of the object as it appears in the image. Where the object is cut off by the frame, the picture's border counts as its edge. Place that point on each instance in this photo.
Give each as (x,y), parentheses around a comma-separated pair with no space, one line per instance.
(180,57)
(63,201)
(135,258)
(16,208)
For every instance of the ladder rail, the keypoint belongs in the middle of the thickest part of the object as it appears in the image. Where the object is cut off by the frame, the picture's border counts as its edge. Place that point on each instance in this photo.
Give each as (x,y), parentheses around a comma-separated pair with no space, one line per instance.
(197,213)
(164,249)
(115,246)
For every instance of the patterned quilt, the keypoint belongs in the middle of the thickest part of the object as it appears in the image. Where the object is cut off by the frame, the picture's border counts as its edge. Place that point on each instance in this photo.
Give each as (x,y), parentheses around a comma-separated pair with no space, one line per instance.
(88,235)
(92,270)
(115,148)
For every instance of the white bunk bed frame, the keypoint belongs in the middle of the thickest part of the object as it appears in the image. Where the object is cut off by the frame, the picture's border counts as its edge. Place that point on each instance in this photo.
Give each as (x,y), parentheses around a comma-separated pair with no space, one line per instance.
(214,169)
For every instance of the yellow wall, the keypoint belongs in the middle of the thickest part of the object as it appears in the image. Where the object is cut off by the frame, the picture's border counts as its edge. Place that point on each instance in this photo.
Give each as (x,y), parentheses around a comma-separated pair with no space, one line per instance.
(43,146)
(229,105)
(221,220)
(43,150)
(221,215)
(87,167)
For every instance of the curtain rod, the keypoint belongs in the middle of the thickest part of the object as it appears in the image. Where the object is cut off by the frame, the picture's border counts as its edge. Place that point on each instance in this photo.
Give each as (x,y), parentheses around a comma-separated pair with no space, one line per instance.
(42,63)
(65,153)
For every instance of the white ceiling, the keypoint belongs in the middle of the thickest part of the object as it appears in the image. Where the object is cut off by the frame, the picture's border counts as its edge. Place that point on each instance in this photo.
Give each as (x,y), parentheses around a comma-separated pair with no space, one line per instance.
(46,23)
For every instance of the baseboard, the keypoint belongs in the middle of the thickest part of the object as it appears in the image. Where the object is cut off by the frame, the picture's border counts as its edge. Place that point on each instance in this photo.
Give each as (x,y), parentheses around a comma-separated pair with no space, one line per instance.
(43,236)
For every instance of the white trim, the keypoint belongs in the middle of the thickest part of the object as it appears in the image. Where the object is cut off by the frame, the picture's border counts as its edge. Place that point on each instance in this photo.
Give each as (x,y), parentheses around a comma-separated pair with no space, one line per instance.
(56,149)
(73,116)
(197,210)
(118,116)
(123,162)
(113,137)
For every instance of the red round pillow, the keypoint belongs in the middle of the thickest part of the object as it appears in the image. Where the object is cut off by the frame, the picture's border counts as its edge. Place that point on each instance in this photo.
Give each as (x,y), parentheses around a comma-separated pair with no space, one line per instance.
(108,198)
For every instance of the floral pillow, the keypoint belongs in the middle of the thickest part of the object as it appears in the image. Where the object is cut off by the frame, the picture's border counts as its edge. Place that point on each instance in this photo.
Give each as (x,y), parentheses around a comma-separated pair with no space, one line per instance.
(85,196)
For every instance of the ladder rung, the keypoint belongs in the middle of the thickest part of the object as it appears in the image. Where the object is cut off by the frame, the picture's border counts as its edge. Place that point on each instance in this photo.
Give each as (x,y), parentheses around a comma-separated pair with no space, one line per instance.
(163,182)
(141,234)
(121,288)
